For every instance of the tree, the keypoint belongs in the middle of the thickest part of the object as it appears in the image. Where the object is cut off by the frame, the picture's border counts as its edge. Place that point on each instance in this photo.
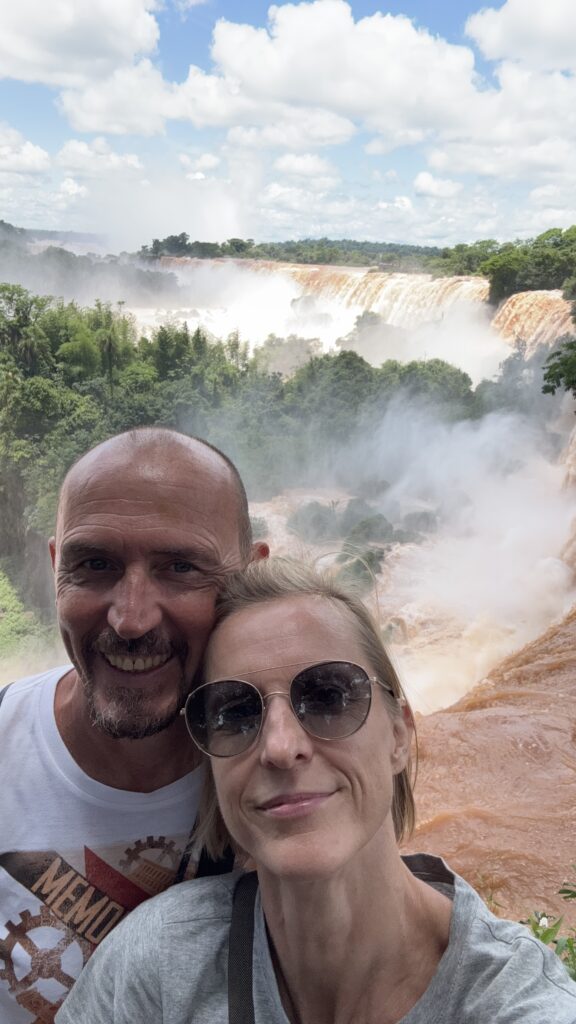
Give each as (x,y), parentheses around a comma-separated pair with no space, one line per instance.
(21,333)
(560,368)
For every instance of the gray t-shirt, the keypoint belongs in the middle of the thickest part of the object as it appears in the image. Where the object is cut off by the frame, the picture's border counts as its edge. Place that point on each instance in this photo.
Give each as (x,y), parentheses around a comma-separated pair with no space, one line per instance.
(167,962)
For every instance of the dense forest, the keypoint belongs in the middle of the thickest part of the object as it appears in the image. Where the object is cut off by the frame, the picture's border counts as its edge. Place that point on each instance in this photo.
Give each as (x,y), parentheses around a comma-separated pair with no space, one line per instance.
(70,376)
(548,261)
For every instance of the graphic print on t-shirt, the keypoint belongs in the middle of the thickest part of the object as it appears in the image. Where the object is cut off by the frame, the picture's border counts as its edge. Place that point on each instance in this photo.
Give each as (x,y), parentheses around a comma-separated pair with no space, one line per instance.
(70,903)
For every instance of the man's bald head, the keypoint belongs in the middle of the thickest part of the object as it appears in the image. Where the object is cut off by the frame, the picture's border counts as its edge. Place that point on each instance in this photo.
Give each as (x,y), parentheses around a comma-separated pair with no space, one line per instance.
(149,523)
(151,448)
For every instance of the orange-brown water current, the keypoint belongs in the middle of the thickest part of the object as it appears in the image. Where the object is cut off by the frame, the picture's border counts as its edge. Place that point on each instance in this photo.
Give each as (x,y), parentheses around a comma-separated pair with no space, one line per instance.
(496,788)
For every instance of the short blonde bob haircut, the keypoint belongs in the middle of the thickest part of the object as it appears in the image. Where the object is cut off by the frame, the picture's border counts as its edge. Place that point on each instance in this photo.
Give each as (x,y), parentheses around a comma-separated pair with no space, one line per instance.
(276,578)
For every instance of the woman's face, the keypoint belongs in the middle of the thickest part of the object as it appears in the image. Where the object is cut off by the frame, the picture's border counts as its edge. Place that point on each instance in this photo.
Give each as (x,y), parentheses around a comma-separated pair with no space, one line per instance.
(300,806)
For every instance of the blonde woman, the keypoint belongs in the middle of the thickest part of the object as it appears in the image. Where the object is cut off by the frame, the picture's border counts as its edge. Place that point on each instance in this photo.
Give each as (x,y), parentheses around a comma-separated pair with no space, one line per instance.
(308,738)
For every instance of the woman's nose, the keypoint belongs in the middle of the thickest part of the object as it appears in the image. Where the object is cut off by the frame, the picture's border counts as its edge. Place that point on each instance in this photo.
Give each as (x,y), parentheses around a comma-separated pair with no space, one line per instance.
(282,741)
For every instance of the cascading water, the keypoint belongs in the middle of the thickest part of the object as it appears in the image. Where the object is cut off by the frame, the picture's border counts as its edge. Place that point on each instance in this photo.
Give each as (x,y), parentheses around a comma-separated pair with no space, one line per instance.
(323,301)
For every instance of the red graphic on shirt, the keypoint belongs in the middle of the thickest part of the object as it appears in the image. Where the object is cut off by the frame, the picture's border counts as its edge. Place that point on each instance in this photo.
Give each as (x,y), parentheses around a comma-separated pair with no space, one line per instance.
(77,911)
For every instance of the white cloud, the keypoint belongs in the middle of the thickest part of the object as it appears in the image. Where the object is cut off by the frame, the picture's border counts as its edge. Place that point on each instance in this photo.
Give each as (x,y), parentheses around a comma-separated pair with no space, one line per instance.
(542,34)
(71,189)
(401,137)
(381,70)
(313,77)
(204,162)
(296,128)
(425,184)
(403,203)
(19,156)
(303,165)
(72,42)
(132,100)
(185,5)
(95,158)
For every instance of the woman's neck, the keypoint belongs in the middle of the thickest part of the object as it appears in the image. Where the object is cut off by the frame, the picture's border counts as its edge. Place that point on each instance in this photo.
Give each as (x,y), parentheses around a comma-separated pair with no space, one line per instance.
(358,948)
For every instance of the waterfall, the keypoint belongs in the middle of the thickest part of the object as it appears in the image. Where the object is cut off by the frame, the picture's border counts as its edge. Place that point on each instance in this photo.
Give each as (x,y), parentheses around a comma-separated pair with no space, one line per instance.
(325,300)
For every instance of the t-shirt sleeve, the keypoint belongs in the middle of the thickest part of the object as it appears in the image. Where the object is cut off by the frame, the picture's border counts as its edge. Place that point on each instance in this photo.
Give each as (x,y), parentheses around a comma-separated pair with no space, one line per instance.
(120,982)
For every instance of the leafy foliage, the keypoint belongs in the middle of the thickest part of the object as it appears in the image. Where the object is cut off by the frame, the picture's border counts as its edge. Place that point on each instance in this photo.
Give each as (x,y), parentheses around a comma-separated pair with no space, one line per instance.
(560,368)
(16,624)
(547,929)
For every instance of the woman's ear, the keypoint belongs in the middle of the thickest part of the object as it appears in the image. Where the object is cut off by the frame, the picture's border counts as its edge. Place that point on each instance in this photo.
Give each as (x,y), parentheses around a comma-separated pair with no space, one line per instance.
(403,729)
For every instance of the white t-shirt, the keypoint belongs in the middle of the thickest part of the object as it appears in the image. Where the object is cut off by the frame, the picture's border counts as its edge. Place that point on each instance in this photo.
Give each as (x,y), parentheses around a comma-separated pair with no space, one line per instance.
(75,855)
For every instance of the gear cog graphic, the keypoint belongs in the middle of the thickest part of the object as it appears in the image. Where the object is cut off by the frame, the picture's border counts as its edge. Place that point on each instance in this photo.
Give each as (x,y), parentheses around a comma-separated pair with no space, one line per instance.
(45,962)
(168,852)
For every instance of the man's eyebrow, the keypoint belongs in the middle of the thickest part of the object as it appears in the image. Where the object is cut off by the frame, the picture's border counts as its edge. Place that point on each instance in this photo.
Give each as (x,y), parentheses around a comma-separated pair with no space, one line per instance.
(74,549)
(202,557)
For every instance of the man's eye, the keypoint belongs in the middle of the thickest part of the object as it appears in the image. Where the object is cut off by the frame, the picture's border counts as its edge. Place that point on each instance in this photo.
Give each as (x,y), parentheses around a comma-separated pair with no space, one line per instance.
(95,564)
(183,567)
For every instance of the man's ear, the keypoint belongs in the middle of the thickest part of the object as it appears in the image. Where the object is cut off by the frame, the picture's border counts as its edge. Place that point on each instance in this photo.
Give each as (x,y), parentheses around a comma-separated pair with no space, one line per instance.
(52,549)
(260,550)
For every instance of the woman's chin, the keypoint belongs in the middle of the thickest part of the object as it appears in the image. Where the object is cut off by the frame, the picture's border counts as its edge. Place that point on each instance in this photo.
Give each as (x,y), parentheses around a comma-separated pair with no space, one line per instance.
(302,861)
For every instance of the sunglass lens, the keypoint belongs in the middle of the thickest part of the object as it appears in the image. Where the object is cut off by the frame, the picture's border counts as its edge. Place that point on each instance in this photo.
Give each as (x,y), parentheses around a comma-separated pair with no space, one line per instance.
(331,700)
(224,717)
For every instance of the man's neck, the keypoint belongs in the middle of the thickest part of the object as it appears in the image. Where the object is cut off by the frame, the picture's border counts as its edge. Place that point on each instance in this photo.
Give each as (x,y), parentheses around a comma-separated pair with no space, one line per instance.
(140,766)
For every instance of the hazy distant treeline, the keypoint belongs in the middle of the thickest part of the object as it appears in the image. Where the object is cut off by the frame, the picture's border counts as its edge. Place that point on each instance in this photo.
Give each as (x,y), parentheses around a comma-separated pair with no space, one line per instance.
(548,261)
(57,271)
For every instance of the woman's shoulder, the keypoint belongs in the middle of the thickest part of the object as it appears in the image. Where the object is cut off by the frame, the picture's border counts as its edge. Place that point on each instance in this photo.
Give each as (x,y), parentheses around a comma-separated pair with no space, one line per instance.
(193,902)
(503,965)
(168,956)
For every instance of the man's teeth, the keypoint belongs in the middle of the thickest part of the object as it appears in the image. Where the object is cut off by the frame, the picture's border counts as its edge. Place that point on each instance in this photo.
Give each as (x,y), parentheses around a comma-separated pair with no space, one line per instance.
(136,664)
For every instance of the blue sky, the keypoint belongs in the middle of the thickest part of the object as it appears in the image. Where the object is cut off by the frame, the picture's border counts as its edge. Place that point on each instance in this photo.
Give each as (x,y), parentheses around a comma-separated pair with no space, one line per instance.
(428,123)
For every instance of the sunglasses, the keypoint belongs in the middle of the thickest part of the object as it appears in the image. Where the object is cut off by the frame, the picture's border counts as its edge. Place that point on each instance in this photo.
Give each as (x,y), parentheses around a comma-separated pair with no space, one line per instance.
(330,700)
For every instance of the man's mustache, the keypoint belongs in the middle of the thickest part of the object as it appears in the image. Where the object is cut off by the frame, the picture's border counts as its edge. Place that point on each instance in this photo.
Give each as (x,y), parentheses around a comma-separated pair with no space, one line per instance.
(150,645)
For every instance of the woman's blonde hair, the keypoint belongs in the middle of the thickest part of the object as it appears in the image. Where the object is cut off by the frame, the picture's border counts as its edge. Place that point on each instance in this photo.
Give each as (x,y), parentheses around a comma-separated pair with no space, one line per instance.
(276,578)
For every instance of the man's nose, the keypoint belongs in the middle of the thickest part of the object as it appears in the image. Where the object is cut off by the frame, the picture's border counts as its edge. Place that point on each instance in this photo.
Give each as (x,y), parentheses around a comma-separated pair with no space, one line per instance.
(283,741)
(134,608)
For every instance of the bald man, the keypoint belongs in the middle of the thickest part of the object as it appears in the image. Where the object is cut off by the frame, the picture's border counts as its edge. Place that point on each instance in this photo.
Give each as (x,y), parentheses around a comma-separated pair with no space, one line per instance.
(101,785)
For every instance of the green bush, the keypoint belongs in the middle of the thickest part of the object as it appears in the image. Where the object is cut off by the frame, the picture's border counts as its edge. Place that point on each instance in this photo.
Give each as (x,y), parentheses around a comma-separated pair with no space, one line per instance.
(16,624)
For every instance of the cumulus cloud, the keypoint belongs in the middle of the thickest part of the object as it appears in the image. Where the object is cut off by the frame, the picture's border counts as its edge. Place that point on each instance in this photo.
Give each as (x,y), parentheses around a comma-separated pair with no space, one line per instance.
(95,158)
(72,189)
(295,129)
(369,70)
(540,34)
(425,184)
(74,41)
(196,167)
(17,155)
(185,5)
(131,100)
(314,76)
(320,174)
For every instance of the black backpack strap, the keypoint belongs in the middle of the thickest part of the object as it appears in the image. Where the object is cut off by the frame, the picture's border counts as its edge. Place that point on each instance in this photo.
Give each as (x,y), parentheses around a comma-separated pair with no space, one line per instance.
(222,866)
(206,865)
(240,943)
(3,691)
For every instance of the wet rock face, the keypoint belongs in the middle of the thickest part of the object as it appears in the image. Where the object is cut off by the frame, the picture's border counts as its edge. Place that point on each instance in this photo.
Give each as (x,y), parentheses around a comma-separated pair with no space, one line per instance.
(496,789)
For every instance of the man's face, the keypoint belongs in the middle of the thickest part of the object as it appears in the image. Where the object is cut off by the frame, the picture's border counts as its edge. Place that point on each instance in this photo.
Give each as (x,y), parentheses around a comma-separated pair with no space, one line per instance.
(144,535)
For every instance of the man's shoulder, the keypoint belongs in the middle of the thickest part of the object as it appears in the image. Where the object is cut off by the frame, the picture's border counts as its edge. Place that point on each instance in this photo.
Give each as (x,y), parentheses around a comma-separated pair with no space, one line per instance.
(26,684)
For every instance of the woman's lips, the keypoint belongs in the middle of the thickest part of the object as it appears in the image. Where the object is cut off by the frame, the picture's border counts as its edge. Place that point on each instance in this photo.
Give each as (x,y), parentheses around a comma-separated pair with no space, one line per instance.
(292,805)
